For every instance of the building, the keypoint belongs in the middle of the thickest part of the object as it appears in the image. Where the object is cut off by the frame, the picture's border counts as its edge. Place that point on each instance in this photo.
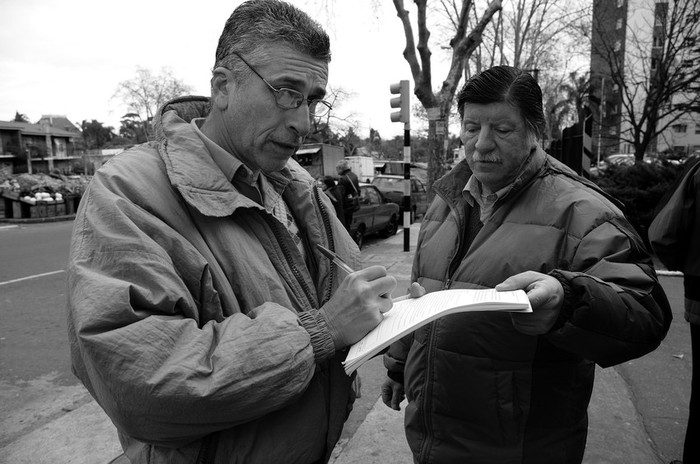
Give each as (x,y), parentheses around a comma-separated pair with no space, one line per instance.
(41,147)
(629,39)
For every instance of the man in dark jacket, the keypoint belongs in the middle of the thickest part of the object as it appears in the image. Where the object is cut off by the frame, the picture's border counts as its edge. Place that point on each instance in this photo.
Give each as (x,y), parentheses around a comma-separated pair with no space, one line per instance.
(674,235)
(347,180)
(514,388)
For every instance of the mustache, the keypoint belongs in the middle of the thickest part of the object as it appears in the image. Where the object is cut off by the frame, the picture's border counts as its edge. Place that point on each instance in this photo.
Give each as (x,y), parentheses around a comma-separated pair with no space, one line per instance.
(491,157)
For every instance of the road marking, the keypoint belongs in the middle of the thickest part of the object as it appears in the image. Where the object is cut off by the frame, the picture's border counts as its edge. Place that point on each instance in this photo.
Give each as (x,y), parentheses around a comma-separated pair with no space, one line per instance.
(13,226)
(35,276)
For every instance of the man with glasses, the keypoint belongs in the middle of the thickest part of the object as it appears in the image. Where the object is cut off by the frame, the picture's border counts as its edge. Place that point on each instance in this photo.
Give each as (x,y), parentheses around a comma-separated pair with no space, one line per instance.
(202,316)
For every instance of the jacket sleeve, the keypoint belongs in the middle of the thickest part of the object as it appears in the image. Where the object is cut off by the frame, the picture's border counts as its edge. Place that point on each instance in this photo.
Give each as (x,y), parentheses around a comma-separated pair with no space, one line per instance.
(149,338)
(614,308)
(670,230)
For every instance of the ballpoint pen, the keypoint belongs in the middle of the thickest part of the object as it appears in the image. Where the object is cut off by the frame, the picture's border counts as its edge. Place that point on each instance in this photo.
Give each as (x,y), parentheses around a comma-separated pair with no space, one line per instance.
(335,259)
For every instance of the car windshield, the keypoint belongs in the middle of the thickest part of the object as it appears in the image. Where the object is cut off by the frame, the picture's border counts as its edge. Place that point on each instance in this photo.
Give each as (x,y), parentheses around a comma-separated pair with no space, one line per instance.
(388,183)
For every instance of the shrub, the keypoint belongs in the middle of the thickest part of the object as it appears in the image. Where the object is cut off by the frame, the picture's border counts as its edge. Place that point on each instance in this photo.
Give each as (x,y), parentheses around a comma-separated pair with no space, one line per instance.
(639,187)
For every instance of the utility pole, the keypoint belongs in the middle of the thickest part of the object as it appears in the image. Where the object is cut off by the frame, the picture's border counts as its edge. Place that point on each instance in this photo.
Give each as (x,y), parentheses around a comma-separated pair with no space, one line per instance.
(601,115)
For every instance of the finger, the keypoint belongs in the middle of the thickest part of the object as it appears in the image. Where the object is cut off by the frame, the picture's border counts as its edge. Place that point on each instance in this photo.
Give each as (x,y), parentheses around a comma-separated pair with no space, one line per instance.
(385,305)
(416,290)
(396,401)
(386,395)
(537,295)
(371,273)
(384,286)
(517,281)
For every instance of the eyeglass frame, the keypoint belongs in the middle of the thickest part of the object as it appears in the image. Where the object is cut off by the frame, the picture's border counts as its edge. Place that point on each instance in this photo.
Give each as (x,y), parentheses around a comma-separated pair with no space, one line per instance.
(301,99)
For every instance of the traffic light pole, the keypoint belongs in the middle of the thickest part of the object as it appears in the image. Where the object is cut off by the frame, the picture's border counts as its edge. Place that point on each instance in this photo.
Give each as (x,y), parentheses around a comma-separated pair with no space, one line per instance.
(402,102)
(406,187)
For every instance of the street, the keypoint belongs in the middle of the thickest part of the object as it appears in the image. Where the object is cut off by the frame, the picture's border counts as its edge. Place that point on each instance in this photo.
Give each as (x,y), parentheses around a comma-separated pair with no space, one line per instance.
(37,387)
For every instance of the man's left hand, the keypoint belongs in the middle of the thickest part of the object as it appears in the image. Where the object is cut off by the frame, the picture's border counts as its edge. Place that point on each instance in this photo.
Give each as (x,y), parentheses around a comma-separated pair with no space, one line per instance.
(546,297)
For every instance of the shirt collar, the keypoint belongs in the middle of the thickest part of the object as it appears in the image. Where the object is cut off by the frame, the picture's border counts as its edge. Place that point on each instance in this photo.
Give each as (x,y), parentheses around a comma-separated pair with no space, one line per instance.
(236,170)
(473,191)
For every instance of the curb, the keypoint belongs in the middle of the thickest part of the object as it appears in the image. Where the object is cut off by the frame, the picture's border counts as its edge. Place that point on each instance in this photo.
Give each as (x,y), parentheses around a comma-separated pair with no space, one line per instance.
(67,217)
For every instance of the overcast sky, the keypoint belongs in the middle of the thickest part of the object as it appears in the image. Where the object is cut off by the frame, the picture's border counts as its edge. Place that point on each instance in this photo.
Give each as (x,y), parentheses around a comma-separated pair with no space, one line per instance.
(67,57)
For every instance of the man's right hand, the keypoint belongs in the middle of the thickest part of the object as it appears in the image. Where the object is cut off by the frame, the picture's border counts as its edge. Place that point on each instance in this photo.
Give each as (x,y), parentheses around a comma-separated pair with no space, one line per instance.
(358,304)
(392,393)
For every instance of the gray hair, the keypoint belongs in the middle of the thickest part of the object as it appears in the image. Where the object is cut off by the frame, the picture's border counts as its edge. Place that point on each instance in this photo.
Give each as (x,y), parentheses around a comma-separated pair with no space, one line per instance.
(342,166)
(256,24)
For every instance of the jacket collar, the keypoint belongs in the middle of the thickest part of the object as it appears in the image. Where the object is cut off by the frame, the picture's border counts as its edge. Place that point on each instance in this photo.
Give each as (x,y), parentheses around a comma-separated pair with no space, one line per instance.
(191,168)
(452,184)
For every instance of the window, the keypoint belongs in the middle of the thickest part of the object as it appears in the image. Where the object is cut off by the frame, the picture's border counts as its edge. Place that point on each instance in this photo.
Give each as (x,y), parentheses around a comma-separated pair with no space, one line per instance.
(654,64)
(697,129)
(658,41)
(680,128)
(618,45)
(618,24)
(620,3)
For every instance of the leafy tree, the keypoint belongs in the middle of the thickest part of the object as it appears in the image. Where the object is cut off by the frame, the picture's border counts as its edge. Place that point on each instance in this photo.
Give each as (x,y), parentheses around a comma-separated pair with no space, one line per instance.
(418,56)
(146,92)
(95,134)
(374,140)
(20,117)
(133,128)
(351,141)
(568,105)
(656,77)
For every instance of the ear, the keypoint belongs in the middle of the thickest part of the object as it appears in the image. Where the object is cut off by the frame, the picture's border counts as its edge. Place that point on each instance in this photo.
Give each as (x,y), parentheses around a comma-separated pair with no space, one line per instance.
(221,87)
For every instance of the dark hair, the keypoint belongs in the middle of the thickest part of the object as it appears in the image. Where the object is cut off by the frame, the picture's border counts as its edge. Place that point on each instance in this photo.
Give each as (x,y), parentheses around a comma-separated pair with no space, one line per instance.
(505,84)
(329,181)
(259,23)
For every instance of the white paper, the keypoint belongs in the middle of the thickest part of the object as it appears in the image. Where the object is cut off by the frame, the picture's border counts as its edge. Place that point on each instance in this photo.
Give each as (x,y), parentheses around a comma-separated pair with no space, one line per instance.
(408,315)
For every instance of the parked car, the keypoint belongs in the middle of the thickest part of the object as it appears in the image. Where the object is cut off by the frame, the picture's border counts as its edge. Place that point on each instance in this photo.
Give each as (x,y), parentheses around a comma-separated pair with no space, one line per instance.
(392,188)
(376,215)
(620,159)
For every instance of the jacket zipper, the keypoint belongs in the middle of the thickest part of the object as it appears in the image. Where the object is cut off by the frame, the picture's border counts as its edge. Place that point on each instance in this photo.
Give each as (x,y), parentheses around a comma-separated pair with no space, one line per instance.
(432,342)
(277,229)
(331,244)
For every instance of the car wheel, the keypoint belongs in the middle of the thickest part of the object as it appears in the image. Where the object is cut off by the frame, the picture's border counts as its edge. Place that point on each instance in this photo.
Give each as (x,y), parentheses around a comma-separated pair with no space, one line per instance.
(391,228)
(359,236)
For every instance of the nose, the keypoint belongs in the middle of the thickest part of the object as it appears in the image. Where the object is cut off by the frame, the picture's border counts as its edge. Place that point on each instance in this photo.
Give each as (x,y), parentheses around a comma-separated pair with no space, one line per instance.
(484,141)
(299,120)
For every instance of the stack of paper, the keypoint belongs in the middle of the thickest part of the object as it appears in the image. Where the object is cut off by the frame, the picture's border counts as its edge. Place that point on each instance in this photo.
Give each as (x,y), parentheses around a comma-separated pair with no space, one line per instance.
(408,315)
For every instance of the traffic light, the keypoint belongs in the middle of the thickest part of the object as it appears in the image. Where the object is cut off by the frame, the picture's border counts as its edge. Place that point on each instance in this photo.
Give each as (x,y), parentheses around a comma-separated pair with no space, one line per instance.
(402,101)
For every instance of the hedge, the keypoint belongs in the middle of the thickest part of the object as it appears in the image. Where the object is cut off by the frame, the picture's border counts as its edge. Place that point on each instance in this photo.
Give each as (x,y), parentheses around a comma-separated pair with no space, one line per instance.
(639,187)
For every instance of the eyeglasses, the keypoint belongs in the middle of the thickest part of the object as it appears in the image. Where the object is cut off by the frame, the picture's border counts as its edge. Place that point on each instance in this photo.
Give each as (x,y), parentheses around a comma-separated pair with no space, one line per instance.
(290,99)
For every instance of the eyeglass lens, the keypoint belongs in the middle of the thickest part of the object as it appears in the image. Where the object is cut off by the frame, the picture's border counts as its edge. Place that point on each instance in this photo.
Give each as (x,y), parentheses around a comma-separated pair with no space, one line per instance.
(290,99)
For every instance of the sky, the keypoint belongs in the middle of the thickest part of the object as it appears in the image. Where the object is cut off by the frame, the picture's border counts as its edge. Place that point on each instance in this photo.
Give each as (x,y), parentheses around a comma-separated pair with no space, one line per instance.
(68,57)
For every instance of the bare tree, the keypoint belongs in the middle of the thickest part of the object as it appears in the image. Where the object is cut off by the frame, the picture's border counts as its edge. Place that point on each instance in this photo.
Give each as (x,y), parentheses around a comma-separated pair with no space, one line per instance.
(418,56)
(548,38)
(656,74)
(146,92)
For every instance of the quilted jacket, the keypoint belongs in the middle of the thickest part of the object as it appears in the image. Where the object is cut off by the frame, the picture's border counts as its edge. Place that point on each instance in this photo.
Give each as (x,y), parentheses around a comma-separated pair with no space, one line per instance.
(478,390)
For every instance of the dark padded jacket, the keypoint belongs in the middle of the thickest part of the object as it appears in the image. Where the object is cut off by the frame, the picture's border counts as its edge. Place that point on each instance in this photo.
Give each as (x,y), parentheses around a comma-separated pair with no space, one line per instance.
(478,390)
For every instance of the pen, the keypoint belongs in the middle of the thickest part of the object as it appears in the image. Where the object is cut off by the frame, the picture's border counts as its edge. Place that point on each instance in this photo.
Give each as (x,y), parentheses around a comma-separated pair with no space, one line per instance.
(335,259)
